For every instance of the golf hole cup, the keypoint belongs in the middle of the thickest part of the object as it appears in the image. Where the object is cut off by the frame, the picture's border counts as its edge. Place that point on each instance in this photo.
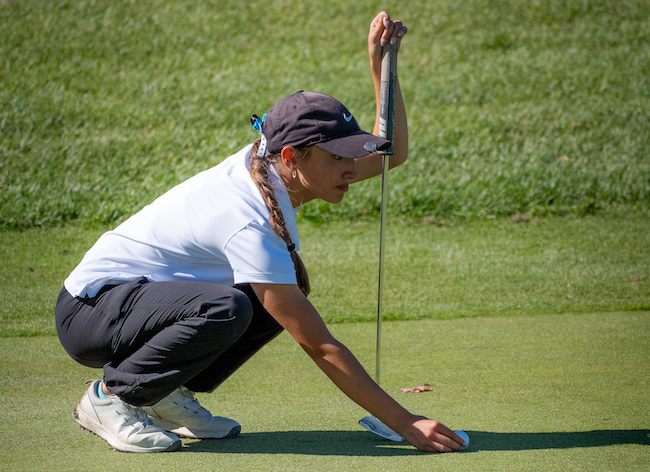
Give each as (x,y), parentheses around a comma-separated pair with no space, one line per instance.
(463,435)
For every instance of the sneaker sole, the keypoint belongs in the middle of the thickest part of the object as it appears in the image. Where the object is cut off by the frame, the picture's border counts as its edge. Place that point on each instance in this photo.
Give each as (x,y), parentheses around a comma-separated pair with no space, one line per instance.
(98,430)
(186,432)
(197,434)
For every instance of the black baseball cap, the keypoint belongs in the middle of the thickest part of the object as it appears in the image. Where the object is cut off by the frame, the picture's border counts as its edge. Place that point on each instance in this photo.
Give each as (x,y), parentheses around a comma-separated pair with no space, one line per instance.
(310,118)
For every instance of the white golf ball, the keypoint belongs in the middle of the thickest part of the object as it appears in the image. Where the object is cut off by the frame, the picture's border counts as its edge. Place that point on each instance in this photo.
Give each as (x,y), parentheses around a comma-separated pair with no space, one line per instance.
(463,435)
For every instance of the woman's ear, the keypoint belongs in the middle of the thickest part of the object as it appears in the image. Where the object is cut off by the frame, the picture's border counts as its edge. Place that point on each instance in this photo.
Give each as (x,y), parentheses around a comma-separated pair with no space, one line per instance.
(288,155)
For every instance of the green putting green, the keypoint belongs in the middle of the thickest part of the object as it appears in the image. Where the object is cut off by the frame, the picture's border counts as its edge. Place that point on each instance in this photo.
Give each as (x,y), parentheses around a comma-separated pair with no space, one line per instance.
(556,392)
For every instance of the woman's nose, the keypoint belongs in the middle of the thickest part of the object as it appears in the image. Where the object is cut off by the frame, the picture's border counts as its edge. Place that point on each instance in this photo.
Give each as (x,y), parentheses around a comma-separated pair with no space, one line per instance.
(351,172)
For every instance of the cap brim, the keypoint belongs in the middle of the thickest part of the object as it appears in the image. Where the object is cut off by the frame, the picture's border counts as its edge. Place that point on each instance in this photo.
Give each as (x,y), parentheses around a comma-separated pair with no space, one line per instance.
(355,145)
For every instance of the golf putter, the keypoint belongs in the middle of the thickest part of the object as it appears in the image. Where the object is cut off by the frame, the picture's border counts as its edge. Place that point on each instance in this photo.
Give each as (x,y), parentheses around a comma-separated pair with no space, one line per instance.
(386,131)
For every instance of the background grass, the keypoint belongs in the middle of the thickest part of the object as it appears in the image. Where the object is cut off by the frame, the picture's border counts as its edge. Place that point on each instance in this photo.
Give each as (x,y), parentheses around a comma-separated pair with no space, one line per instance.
(536,107)
(484,269)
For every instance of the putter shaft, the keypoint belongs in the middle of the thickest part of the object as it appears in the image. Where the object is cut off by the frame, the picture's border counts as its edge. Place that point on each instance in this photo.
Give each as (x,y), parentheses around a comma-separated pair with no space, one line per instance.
(385,161)
(386,131)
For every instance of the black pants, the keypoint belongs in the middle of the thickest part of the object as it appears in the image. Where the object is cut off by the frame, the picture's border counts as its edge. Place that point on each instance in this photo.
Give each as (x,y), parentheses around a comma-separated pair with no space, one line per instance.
(151,338)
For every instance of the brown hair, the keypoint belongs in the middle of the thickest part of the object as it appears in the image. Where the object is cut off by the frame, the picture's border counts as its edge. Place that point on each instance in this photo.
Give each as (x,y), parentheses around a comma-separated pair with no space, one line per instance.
(261,176)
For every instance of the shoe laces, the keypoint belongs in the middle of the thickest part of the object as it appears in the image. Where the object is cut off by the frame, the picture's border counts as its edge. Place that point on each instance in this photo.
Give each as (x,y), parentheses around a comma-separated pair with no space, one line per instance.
(190,402)
(137,415)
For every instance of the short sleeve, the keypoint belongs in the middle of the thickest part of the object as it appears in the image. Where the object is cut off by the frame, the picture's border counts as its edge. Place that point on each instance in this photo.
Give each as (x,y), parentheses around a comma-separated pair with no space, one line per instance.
(258,255)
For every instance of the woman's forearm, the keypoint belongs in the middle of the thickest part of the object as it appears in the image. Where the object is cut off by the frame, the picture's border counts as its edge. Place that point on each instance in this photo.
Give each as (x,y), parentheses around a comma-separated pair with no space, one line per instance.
(345,371)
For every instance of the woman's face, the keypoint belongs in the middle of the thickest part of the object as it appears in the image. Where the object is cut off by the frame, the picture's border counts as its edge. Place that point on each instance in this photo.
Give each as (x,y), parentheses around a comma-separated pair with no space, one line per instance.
(323,175)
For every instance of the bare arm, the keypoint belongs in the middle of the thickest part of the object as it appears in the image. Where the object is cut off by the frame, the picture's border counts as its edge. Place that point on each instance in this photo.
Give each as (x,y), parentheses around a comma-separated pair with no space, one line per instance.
(383,29)
(296,314)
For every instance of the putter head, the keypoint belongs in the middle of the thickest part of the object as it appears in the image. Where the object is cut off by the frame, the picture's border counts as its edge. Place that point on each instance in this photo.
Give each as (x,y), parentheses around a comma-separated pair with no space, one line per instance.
(373,425)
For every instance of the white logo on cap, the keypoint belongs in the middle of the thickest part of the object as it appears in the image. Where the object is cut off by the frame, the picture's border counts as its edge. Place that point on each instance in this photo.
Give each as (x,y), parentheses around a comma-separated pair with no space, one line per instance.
(347,118)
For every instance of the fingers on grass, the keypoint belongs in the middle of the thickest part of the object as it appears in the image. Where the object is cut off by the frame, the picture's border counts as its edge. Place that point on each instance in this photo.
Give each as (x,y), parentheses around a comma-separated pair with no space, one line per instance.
(436,447)
(457,438)
(448,438)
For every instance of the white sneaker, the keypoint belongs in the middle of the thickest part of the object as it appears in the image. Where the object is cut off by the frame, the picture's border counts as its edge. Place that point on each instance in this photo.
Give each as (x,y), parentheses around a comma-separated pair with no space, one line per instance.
(180,413)
(125,427)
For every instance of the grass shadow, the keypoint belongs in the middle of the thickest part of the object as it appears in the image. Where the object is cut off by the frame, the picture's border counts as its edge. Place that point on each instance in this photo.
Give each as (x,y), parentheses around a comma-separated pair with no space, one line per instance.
(361,443)
(324,443)
(487,441)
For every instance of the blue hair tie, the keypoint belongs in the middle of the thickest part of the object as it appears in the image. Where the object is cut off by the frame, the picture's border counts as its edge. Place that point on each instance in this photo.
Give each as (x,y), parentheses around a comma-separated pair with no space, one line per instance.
(257,125)
(257,122)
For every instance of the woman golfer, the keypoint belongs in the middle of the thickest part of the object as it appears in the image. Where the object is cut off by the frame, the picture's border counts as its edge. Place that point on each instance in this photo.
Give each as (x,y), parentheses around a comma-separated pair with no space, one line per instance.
(181,294)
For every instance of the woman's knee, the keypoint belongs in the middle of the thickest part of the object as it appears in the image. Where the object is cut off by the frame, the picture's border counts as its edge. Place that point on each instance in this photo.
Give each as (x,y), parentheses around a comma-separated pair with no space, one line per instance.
(87,343)
(235,308)
(242,307)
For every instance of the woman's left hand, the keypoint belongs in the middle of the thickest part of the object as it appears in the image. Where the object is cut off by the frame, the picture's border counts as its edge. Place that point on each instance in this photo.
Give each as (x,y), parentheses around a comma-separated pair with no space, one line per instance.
(383,30)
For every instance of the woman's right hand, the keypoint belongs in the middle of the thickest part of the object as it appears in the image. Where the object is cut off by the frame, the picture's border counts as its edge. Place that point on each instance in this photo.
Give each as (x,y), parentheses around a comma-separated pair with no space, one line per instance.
(431,436)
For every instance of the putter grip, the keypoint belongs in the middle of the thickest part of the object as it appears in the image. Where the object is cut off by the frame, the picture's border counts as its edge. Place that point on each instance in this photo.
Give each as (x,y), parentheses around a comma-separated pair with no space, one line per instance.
(387,94)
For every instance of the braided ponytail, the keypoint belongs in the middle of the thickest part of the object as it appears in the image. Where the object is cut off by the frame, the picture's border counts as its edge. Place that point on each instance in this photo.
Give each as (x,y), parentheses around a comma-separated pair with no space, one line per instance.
(260,174)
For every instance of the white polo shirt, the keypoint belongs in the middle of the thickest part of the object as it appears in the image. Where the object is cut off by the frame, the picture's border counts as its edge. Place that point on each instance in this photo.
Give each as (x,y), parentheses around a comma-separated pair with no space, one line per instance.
(213,227)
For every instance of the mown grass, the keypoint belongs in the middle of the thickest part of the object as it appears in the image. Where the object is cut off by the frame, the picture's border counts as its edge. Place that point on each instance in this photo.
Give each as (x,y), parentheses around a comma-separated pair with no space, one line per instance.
(515,106)
(480,269)
(551,393)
